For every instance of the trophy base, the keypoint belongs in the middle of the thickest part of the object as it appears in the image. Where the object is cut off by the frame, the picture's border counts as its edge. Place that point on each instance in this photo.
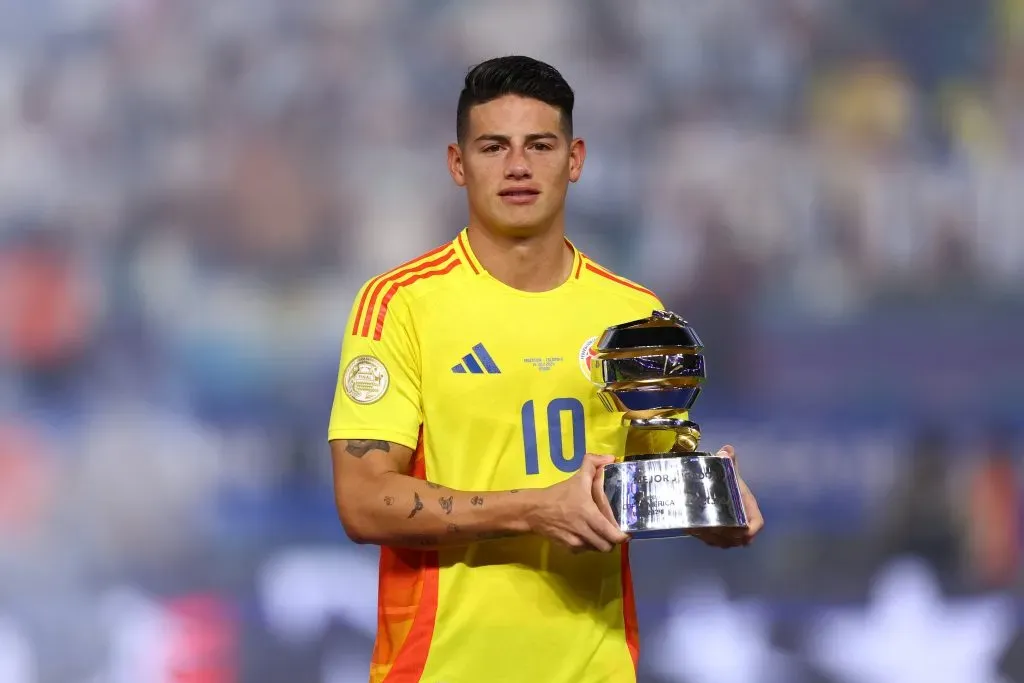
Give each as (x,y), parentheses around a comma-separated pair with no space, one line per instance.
(667,495)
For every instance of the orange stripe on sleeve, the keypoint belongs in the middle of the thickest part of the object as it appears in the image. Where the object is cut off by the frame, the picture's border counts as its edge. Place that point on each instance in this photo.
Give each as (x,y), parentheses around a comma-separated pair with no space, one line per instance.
(362,302)
(620,280)
(422,265)
(384,276)
(420,275)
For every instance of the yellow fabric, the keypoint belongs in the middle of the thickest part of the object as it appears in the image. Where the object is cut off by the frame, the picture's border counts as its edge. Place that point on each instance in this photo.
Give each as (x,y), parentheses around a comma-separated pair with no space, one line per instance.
(520,609)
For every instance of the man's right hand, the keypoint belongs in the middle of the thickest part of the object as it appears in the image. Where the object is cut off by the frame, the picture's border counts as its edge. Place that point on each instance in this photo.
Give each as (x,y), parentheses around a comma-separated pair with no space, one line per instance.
(576,513)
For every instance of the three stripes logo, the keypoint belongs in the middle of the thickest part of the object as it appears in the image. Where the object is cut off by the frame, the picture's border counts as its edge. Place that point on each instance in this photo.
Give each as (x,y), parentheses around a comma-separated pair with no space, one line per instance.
(478,362)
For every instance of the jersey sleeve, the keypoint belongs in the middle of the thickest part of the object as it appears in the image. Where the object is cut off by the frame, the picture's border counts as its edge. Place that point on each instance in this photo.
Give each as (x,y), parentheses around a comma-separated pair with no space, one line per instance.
(377,395)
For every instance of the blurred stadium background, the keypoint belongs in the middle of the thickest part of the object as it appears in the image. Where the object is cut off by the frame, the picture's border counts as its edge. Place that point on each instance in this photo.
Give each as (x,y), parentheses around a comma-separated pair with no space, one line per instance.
(191,192)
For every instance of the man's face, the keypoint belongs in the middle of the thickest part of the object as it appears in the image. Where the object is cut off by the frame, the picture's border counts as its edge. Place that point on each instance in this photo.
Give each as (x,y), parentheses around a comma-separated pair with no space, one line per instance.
(516,164)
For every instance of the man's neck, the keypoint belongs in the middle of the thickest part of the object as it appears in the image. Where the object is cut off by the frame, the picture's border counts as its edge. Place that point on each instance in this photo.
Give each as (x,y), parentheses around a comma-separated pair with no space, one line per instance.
(538,263)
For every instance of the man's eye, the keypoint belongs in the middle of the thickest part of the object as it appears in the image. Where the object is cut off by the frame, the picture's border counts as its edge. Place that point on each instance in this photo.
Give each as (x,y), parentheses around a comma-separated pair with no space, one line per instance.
(542,146)
(490,149)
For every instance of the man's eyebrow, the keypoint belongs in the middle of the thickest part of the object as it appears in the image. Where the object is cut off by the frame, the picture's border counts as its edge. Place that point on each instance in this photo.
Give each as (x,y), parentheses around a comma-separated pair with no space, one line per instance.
(505,139)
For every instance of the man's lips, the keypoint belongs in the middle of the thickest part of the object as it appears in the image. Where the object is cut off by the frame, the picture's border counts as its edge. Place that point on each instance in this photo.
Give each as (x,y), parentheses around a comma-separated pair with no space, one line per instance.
(519,195)
(519,192)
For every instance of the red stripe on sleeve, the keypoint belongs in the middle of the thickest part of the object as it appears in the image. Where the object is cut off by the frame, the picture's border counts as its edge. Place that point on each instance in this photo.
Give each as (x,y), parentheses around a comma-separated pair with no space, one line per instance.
(383,276)
(362,301)
(394,276)
(398,285)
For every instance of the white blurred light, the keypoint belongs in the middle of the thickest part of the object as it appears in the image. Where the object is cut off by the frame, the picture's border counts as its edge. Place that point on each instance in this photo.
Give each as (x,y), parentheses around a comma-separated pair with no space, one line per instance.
(707,637)
(302,590)
(17,664)
(140,633)
(910,633)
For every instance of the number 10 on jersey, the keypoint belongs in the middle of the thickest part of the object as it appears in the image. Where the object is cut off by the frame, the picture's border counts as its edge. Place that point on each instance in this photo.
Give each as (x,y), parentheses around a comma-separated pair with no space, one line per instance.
(566,457)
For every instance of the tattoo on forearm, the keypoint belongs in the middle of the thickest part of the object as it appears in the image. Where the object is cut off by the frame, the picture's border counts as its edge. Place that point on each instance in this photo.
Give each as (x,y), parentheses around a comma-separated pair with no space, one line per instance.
(389,500)
(453,528)
(417,506)
(360,447)
(477,500)
(446,504)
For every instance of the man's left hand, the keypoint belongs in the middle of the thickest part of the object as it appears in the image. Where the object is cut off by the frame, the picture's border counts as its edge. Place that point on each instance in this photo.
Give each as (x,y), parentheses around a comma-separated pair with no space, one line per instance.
(731,538)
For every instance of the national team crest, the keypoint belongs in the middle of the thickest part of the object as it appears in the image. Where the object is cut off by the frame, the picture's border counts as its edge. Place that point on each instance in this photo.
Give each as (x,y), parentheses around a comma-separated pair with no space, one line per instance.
(587,354)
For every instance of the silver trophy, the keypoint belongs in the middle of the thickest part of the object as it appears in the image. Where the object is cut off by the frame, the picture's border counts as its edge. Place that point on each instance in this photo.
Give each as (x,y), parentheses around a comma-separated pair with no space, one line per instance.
(652,371)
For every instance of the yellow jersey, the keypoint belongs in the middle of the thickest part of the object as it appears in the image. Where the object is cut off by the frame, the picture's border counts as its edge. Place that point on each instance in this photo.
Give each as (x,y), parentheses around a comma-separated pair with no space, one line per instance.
(490,386)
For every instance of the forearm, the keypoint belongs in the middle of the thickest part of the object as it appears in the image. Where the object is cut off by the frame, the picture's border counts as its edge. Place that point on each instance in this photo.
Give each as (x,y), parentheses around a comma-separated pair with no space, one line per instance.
(398,510)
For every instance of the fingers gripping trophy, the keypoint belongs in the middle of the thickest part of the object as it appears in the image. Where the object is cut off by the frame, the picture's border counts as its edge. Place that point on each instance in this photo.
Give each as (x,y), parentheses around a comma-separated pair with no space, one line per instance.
(651,370)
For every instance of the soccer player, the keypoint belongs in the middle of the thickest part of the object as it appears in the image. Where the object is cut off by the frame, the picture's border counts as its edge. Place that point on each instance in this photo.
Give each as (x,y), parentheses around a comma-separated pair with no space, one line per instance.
(466,436)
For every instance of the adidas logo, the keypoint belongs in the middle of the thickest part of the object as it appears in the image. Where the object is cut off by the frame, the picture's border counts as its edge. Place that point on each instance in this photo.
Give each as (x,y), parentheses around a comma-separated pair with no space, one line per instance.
(480,364)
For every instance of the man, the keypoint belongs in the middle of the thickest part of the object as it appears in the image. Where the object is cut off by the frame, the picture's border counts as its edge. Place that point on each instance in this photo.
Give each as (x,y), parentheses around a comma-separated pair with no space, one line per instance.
(464,423)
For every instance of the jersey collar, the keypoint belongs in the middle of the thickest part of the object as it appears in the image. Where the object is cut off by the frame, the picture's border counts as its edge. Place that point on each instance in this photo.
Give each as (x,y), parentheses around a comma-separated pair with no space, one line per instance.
(465,251)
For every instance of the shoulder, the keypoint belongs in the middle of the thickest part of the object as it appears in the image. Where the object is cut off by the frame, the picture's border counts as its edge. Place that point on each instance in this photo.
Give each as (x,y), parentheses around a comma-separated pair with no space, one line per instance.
(438,261)
(393,292)
(609,283)
(410,279)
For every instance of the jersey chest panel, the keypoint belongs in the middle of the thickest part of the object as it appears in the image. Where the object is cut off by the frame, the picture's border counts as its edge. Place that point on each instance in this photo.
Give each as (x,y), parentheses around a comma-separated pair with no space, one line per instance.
(507,402)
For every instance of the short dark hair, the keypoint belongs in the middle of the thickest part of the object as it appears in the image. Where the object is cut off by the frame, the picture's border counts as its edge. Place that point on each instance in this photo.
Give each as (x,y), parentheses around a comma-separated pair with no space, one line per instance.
(514,75)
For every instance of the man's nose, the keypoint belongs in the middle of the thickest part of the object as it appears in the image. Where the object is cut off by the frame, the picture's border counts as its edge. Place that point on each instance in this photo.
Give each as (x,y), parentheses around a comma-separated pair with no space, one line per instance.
(516,167)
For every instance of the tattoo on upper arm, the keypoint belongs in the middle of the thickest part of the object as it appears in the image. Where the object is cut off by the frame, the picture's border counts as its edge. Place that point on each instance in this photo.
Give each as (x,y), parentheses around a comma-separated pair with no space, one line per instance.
(389,500)
(446,504)
(477,500)
(360,447)
(417,506)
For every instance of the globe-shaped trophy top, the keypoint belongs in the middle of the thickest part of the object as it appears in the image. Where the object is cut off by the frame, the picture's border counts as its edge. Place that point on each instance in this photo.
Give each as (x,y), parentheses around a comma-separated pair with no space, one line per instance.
(652,364)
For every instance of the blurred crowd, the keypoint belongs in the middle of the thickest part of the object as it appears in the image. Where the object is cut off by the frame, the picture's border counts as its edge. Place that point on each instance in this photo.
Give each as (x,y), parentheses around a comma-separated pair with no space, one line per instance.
(191,192)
